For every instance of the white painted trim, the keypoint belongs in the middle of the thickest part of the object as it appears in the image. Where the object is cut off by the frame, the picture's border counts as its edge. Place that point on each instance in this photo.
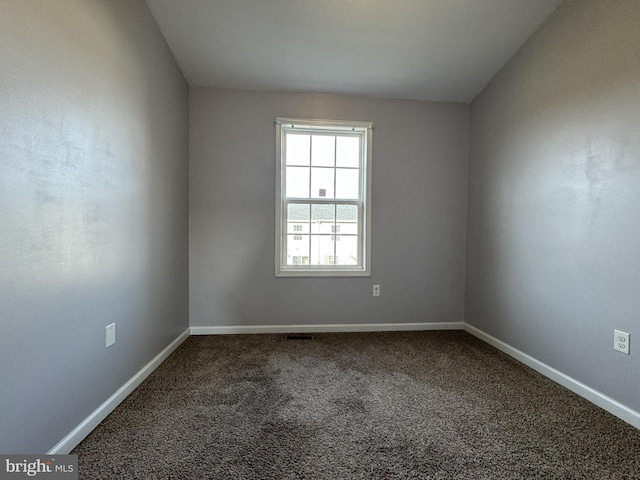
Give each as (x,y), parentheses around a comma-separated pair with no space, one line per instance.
(354,327)
(79,433)
(600,399)
(364,132)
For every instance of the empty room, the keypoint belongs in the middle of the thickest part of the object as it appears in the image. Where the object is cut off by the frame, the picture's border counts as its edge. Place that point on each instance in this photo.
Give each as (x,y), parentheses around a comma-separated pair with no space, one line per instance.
(283,239)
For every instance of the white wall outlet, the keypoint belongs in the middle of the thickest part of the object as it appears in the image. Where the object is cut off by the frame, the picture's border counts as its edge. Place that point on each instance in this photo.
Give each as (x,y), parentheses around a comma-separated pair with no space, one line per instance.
(109,335)
(376,290)
(621,341)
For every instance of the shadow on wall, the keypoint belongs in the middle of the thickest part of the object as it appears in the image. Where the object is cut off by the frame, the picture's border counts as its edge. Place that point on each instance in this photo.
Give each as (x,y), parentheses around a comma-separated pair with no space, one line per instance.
(554,174)
(96,149)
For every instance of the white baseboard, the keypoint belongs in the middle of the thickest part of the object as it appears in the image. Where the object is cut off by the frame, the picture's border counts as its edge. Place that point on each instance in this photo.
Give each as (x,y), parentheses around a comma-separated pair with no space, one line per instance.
(603,401)
(354,327)
(93,420)
(78,434)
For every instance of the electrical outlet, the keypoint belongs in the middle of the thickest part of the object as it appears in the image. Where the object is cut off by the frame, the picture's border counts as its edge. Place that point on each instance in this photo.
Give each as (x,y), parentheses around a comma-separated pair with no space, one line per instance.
(621,341)
(376,290)
(109,335)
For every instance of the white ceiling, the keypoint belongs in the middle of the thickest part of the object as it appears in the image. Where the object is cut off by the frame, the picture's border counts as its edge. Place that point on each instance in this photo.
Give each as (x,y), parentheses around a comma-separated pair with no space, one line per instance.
(442,50)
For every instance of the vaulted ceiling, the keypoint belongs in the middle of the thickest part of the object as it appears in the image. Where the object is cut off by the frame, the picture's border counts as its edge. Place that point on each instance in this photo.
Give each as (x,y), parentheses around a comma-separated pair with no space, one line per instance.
(442,50)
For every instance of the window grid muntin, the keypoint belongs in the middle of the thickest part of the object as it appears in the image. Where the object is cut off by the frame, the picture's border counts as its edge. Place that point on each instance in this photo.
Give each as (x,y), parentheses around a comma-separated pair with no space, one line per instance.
(311,199)
(311,202)
(360,135)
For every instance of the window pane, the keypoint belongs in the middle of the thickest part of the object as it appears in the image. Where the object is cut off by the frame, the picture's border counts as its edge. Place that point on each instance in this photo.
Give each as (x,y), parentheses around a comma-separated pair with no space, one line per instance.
(347,219)
(298,216)
(347,250)
(323,217)
(323,150)
(322,250)
(298,228)
(347,183)
(348,152)
(298,149)
(297,182)
(322,182)
(298,250)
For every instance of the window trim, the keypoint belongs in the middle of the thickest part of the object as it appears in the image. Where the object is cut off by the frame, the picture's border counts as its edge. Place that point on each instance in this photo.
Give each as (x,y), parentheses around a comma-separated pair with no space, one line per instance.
(364,217)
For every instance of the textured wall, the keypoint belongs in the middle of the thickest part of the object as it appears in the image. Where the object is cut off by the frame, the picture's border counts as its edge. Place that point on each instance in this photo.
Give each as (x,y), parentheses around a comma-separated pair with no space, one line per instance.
(94,208)
(418,206)
(554,191)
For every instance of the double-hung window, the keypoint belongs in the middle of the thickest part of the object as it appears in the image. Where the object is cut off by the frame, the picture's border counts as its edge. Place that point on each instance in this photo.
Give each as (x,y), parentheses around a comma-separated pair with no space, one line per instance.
(323,198)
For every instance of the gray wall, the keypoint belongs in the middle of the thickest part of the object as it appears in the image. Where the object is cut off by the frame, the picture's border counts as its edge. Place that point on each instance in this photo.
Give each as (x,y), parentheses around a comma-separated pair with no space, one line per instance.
(94,209)
(420,152)
(554,193)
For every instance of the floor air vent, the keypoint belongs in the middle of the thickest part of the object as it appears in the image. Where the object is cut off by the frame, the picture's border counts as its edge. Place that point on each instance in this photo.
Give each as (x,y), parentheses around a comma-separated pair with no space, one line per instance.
(298,336)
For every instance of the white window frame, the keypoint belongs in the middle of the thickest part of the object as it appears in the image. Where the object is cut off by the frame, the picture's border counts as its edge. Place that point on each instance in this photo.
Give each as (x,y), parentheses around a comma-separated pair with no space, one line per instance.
(363,269)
